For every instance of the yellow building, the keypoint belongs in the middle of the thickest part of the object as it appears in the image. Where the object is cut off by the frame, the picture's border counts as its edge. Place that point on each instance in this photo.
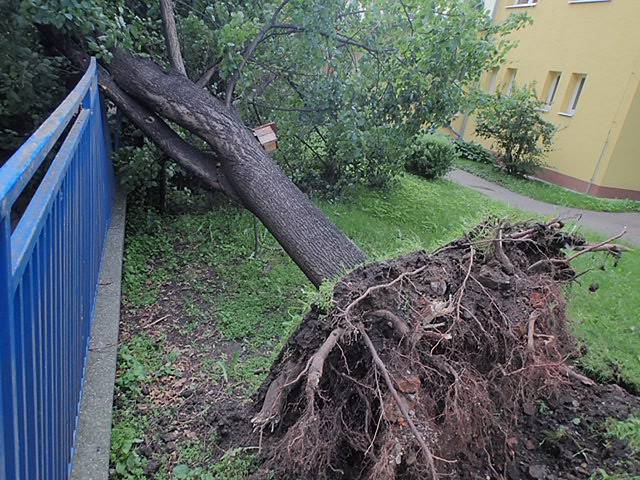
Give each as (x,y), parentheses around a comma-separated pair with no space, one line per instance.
(584,57)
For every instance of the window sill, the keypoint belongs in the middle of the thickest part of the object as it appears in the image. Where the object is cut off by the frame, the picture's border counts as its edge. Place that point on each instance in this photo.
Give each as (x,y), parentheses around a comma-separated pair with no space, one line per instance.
(529,5)
(588,1)
(545,109)
(567,114)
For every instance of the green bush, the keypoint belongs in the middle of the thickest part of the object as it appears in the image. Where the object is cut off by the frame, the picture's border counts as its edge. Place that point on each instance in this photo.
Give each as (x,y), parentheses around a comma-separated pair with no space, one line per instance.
(343,156)
(520,132)
(430,155)
(473,151)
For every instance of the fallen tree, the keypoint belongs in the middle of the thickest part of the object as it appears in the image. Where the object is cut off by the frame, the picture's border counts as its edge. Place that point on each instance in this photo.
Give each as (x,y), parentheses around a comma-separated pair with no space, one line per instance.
(209,105)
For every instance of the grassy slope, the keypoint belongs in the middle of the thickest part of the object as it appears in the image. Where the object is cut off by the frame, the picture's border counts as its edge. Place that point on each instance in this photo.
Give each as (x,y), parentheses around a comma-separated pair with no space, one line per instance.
(258,300)
(546,192)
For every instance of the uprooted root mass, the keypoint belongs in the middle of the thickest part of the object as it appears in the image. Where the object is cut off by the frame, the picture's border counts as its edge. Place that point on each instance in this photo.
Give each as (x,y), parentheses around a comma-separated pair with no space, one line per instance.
(424,362)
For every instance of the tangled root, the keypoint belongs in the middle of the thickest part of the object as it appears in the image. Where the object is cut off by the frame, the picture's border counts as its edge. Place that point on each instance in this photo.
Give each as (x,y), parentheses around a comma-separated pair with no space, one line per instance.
(424,362)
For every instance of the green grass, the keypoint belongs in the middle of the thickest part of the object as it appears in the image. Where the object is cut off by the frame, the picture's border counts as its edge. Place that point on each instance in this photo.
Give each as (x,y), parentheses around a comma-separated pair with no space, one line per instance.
(627,430)
(257,299)
(608,321)
(415,214)
(546,192)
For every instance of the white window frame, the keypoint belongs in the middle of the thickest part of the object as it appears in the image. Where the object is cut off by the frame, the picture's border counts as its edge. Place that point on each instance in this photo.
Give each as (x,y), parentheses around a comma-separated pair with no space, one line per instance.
(572,107)
(553,91)
(588,1)
(524,4)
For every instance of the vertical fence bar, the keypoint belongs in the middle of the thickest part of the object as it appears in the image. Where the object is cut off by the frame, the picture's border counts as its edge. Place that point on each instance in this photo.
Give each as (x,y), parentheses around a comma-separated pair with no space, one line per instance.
(8,400)
(49,267)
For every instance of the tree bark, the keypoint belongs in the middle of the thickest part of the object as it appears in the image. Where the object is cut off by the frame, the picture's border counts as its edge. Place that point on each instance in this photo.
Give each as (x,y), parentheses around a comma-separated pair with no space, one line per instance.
(202,166)
(171,36)
(314,243)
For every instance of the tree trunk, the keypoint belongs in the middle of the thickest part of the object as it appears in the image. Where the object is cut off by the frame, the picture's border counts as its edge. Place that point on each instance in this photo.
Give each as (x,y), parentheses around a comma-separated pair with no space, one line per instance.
(314,243)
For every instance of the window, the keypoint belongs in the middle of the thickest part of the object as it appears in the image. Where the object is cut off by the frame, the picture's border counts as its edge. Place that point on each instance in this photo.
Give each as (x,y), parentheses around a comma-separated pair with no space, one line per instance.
(510,80)
(523,3)
(588,1)
(574,92)
(551,89)
(492,80)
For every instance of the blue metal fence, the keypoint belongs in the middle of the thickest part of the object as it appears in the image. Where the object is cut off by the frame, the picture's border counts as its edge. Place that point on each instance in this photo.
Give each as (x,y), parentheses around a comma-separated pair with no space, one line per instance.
(49,265)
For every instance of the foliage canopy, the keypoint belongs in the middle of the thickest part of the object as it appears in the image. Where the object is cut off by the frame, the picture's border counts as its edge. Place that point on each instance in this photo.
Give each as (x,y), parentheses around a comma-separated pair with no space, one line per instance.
(349,84)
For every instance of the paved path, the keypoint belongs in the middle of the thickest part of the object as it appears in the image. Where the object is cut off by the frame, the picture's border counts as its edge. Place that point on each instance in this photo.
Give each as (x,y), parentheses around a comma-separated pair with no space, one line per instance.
(601,222)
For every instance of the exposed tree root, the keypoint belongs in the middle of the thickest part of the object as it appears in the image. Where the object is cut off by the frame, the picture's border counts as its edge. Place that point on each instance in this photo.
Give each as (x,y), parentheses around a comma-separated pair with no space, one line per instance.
(422,367)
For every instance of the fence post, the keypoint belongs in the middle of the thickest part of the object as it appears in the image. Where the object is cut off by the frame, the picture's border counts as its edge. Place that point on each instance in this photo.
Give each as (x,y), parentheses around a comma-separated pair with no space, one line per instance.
(8,419)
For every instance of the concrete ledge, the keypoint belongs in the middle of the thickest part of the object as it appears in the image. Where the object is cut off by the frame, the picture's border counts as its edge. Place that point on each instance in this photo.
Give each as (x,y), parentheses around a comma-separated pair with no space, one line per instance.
(93,438)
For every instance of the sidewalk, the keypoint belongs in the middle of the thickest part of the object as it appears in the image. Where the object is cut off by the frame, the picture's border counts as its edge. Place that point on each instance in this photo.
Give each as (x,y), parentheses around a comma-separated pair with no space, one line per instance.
(600,222)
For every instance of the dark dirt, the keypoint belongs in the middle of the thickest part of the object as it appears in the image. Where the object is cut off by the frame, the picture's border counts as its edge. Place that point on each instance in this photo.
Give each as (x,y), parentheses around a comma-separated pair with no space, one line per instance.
(564,437)
(449,365)
(193,404)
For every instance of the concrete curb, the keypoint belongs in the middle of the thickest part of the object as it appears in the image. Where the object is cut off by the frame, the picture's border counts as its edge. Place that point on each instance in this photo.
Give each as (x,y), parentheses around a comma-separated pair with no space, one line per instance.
(93,438)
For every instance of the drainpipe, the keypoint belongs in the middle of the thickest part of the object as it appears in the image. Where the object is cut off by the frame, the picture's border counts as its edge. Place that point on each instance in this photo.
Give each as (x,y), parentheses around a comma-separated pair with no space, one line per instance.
(596,170)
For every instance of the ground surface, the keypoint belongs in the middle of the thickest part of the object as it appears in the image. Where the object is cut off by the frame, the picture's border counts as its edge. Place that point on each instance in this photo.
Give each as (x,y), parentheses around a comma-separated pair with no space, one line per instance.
(605,223)
(204,315)
(546,192)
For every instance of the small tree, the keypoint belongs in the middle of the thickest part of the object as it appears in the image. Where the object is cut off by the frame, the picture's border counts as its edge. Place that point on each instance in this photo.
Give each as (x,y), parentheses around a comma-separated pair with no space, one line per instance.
(522,136)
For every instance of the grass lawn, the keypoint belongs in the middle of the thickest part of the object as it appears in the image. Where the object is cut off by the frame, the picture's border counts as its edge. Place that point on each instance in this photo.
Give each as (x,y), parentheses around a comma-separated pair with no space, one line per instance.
(547,192)
(196,289)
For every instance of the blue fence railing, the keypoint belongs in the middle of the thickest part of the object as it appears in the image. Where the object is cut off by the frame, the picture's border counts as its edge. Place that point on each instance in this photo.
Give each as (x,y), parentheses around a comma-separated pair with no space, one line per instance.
(49,265)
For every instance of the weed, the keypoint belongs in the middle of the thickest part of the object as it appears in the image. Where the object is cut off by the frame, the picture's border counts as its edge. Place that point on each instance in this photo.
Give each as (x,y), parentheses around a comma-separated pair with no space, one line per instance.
(234,465)
(556,436)
(125,436)
(544,409)
(143,269)
(140,360)
(601,474)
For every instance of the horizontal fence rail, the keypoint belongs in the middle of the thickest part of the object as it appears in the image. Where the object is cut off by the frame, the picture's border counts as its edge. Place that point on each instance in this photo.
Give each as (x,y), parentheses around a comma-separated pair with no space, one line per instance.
(49,266)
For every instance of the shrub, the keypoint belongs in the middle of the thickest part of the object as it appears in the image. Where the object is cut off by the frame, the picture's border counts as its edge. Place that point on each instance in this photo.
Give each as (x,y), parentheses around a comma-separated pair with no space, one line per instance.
(521,134)
(430,155)
(343,156)
(473,151)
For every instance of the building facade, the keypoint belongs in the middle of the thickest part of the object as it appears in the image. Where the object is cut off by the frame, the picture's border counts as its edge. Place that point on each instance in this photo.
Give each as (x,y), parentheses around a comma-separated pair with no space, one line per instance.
(583,57)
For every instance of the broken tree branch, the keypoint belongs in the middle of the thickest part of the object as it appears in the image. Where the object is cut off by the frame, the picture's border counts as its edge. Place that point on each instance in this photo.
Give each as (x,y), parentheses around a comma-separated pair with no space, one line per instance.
(205,78)
(171,37)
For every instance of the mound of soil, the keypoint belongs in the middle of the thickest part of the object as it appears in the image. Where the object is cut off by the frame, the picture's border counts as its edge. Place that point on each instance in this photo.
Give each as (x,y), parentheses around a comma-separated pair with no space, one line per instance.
(444,365)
